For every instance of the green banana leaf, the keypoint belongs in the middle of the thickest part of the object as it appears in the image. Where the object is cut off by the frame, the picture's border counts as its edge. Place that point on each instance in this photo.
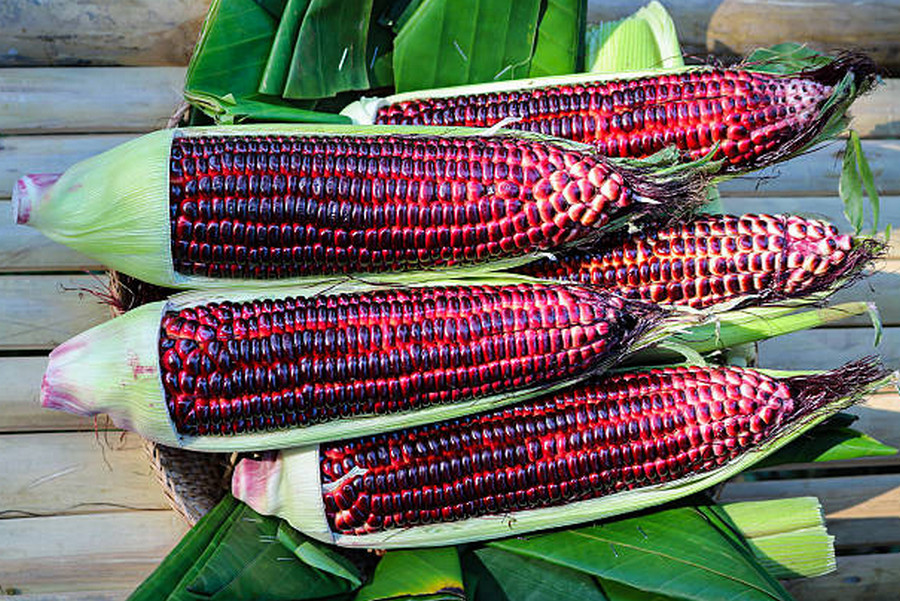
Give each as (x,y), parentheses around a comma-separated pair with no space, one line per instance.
(275,73)
(228,61)
(420,573)
(330,50)
(677,552)
(558,48)
(827,443)
(496,575)
(446,43)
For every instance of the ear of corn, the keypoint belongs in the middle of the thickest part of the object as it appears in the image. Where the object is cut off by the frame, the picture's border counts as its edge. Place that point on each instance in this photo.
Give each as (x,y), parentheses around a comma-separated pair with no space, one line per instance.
(211,206)
(257,371)
(708,260)
(599,449)
(748,118)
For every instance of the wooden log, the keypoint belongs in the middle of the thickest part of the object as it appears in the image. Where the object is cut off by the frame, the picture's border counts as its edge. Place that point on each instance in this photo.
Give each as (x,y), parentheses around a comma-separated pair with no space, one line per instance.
(26,249)
(92,100)
(20,409)
(76,472)
(48,154)
(828,348)
(40,312)
(733,28)
(91,552)
(99,32)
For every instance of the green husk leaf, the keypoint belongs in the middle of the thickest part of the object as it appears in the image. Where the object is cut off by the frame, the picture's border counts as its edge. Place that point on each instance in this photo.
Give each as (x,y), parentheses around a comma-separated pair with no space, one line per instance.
(330,51)
(275,73)
(744,326)
(496,575)
(441,45)
(645,40)
(851,189)
(828,443)
(806,553)
(868,180)
(559,38)
(179,561)
(419,573)
(676,552)
(228,61)
(319,556)
(785,58)
(875,317)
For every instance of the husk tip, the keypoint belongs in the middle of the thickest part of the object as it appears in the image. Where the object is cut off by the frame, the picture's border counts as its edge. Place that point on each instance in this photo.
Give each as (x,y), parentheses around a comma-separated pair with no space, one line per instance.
(251,478)
(56,391)
(28,193)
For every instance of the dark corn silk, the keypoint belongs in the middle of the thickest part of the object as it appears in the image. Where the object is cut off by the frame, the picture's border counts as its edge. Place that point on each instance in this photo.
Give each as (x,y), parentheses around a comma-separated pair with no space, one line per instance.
(610,435)
(712,259)
(264,365)
(747,114)
(254,207)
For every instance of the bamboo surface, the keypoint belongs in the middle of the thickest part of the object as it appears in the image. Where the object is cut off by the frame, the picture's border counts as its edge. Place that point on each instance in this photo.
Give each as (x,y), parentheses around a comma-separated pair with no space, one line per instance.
(81,516)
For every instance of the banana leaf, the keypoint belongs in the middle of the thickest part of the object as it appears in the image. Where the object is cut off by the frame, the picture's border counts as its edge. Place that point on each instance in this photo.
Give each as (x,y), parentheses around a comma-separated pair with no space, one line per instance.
(827,443)
(496,575)
(558,47)
(228,61)
(330,50)
(446,43)
(677,552)
(423,573)
(275,73)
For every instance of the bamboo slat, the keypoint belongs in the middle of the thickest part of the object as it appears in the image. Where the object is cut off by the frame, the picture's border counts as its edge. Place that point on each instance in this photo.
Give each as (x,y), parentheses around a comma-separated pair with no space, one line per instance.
(873,577)
(48,154)
(860,511)
(92,552)
(93,100)
(26,249)
(731,28)
(828,348)
(20,409)
(103,32)
(39,312)
(817,173)
(76,472)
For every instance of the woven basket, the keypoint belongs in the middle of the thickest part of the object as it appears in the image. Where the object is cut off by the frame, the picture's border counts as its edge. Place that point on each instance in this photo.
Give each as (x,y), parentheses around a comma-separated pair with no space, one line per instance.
(192,482)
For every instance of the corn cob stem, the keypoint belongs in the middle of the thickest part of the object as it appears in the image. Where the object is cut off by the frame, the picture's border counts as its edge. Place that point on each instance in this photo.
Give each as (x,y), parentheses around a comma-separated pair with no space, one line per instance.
(599,449)
(709,260)
(207,206)
(280,370)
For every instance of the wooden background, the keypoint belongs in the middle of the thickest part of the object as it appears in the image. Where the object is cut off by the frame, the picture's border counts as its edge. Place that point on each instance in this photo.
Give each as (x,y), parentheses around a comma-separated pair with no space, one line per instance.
(81,516)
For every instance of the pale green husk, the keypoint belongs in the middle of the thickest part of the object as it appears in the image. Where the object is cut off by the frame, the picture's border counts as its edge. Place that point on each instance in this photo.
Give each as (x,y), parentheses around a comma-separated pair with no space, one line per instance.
(114,207)
(788,536)
(644,40)
(292,491)
(98,361)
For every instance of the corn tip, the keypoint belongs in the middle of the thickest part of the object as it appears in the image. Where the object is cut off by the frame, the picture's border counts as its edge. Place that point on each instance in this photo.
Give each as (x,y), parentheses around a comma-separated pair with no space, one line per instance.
(28,194)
